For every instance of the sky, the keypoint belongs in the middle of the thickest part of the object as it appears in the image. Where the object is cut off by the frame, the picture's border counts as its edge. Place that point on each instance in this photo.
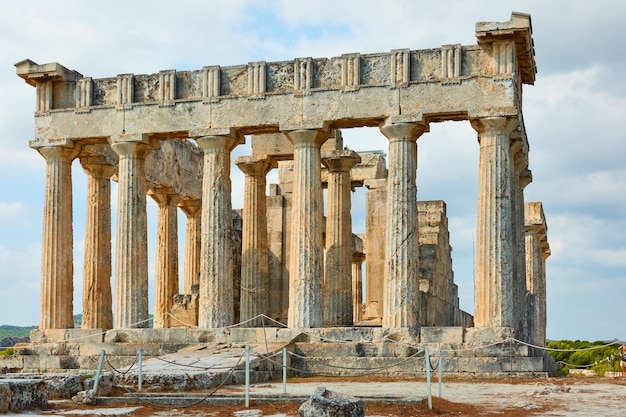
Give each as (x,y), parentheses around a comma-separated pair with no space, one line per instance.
(574,116)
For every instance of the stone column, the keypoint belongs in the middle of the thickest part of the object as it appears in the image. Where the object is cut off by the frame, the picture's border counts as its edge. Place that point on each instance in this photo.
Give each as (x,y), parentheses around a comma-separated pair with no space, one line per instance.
(357,286)
(337,285)
(520,177)
(57,270)
(97,302)
(193,233)
(166,265)
(400,305)
(255,293)
(537,251)
(216,269)
(307,253)
(375,237)
(131,253)
(494,237)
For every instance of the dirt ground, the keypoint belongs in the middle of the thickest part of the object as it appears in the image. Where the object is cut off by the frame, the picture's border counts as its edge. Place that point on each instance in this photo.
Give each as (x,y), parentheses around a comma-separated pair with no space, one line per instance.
(570,397)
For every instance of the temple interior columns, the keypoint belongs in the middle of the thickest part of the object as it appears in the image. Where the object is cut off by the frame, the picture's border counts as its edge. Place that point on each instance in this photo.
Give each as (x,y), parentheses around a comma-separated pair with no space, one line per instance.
(166,261)
(255,292)
(57,287)
(337,285)
(537,251)
(131,253)
(375,239)
(216,307)
(191,274)
(357,286)
(307,252)
(400,305)
(97,298)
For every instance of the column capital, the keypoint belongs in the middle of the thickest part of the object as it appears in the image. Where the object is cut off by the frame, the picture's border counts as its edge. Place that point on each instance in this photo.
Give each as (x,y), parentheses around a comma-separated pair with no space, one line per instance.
(97,166)
(340,160)
(131,149)
(358,257)
(497,124)
(190,206)
(59,152)
(253,166)
(308,137)
(217,143)
(525,178)
(404,130)
(164,195)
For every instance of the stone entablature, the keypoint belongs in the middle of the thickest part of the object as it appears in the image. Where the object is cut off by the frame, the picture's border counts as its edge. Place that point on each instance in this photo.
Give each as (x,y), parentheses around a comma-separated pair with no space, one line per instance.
(261,97)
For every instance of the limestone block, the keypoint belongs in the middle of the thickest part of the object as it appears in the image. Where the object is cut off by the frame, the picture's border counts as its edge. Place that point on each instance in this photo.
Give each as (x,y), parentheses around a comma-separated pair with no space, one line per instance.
(79,335)
(481,336)
(42,363)
(22,394)
(11,363)
(353,334)
(63,386)
(184,311)
(441,334)
(494,365)
(252,335)
(324,403)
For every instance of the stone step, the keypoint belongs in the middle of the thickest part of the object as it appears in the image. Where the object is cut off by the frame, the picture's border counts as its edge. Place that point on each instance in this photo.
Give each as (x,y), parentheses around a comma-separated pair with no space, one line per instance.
(399,350)
(355,366)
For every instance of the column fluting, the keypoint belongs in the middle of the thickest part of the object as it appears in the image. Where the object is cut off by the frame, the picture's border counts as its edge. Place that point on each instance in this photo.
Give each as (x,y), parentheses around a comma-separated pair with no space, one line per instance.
(307,253)
(216,307)
(57,270)
(400,305)
(494,236)
(97,298)
(131,252)
(337,285)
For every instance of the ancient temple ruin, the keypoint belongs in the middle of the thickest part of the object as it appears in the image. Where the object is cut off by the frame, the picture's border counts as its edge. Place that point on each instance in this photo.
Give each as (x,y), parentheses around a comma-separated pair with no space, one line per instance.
(170,136)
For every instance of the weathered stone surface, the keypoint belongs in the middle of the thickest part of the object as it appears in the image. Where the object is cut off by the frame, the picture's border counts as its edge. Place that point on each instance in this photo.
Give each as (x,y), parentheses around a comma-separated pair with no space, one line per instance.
(324,403)
(131,253)
(22,394)
(337,287)
(216,269)
(166,263)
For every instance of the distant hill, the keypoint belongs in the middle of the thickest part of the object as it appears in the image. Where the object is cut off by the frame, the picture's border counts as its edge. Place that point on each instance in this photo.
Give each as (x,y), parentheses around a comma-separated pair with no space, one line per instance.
(14,332)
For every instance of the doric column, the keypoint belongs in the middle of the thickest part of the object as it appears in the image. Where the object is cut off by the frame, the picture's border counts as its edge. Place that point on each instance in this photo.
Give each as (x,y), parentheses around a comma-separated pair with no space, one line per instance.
(307,253)
(400,305)
(537,251)
(255,293)
(57,270)
(494,237)
(375,237)
(131,252)
(97,302)
(216,270)
(166,264)
(193,234)
(520,177)
(337,286)
(357,286)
